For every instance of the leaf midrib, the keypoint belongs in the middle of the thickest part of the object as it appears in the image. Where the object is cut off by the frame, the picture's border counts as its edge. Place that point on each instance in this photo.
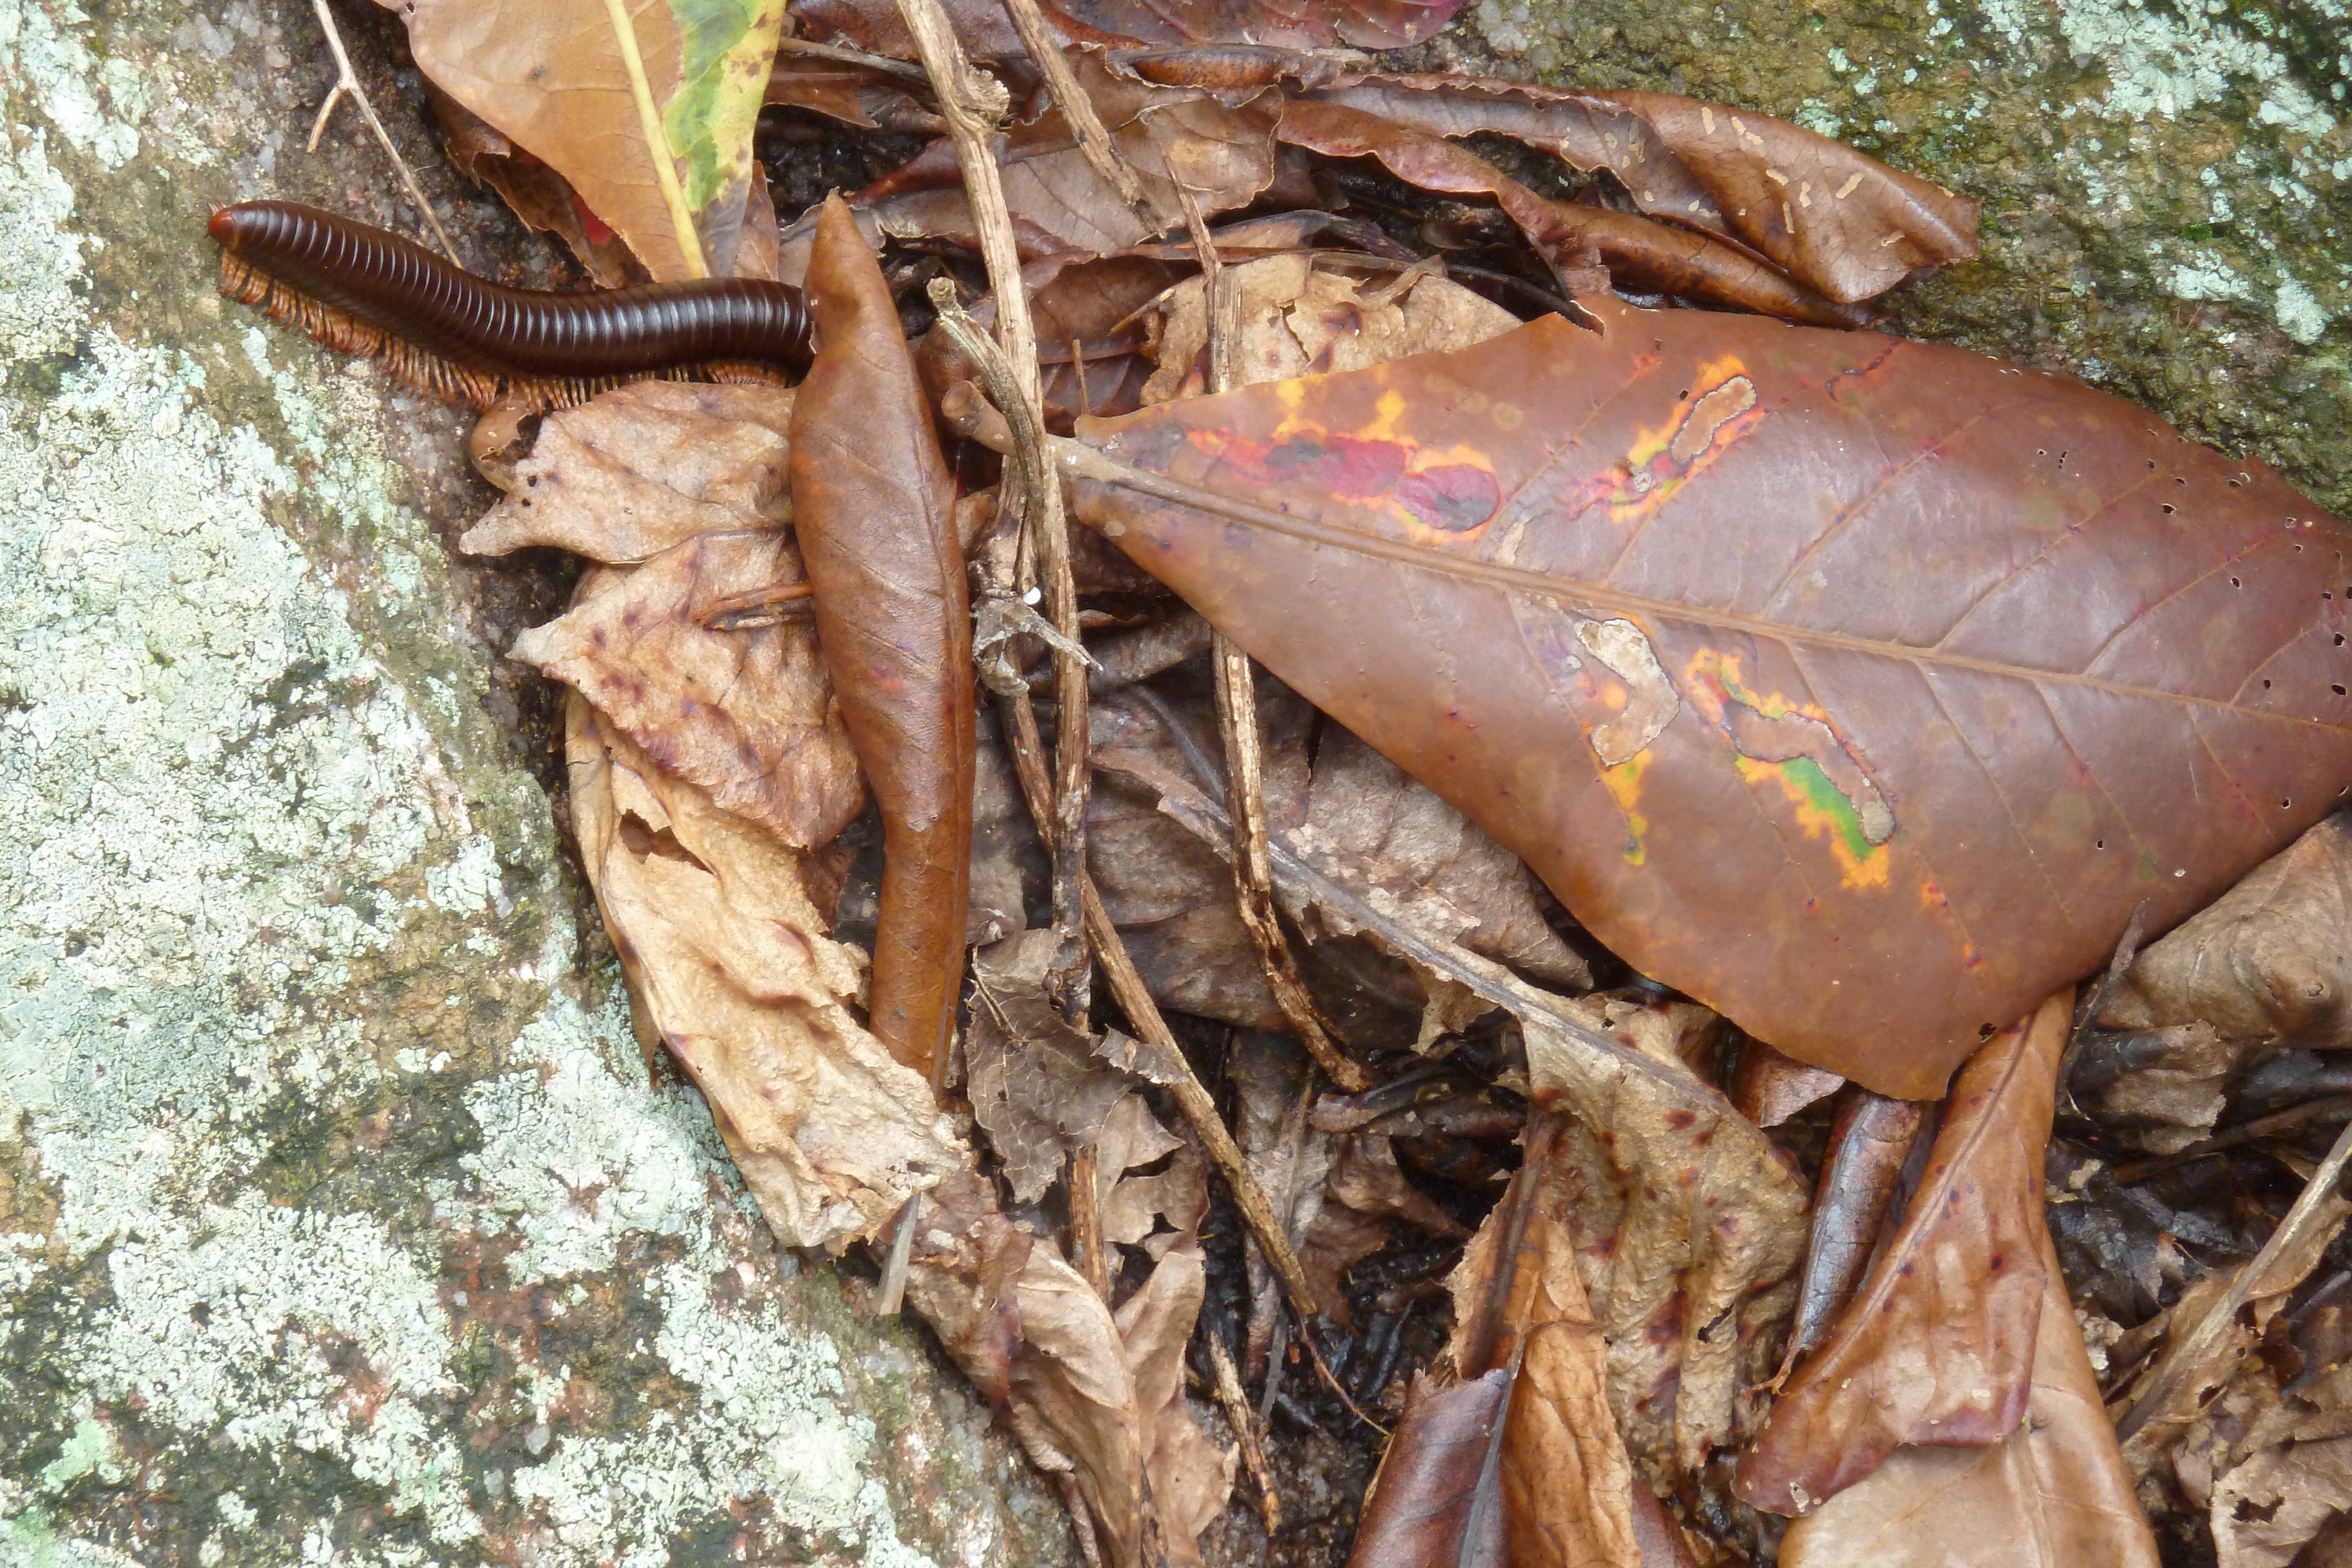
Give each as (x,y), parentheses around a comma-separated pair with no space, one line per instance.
(1086,462)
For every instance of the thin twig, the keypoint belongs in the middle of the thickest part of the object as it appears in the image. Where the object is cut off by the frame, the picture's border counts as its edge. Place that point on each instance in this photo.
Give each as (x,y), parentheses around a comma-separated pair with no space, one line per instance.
(1085,1220)
(890,1291)
(882,63)
(2174,1389)
(999,378)
(972,105)
(1237,719)
(1227,1383)
(346,81)
(1191,1096)
(1078,109)
(1482,977)
(649,124)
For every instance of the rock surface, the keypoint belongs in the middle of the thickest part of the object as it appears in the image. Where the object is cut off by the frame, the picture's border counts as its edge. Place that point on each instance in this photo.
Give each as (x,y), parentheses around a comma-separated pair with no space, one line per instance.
(338,1221)
(2167,187)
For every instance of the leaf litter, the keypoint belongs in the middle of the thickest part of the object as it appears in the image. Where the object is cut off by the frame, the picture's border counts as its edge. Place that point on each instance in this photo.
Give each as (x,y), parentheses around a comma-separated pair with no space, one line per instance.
(1619,1312)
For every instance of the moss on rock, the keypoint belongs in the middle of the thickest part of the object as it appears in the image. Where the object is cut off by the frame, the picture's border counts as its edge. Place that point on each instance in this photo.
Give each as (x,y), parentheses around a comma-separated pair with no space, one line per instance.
(2167,184)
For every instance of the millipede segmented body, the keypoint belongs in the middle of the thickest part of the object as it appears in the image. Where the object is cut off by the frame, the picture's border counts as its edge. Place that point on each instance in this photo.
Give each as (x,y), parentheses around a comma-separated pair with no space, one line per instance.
(447,332)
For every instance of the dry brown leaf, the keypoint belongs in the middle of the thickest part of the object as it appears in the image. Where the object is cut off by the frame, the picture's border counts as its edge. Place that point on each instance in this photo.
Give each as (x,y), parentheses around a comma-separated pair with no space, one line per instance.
(1377,831)
(1134,1206)
(1769,1088)
(1688,1226)
(985,30)
(537,194)
(2268,1507)
(2268,964)
(2051,1494)
(874,507)
(1566,1479)
(646,466)
(1036,1084)
(1030,1332)
(1187,1477)
(1220,147)
(1938,1345)
(747,714)
(1437,1499)
(729,967)
(1300,315)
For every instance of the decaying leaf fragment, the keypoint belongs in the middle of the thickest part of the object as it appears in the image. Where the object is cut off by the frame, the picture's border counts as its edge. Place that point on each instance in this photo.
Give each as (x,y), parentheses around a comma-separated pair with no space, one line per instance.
(1688,1223)
(1091,1396)
(1426,544)
(873,506)
(1035,1083)
(730,970)
(1938,1346)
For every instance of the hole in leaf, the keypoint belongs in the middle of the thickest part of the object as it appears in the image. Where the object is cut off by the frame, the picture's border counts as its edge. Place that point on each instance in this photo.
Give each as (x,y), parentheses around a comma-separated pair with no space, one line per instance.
(2338,690)
(2266,685)
(2099,843)
(2170,509)
(2235,583)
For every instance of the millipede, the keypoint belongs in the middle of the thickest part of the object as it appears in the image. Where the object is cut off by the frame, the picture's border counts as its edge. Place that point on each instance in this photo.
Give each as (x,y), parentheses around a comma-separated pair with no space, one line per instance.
(445,332)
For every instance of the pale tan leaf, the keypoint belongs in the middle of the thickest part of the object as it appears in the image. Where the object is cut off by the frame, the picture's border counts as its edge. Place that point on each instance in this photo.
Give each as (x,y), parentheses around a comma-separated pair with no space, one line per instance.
(645,466)
(729,967)
(746,714)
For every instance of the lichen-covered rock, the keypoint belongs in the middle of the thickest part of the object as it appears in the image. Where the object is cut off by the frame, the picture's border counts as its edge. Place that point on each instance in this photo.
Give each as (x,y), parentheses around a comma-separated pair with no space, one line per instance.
(338,1221)
(2168,186)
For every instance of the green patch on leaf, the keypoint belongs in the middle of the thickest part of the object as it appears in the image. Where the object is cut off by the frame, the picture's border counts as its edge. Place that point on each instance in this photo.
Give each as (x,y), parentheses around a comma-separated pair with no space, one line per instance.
(724,49)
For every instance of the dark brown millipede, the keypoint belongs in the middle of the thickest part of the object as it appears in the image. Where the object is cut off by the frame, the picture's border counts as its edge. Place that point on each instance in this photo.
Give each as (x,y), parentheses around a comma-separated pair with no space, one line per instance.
(444,331)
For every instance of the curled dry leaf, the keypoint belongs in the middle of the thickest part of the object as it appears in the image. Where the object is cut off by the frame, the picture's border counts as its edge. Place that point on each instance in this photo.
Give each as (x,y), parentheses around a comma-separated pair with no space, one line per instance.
(873,506)
(1031,1334)
(745,714)
(2050,1493)
(1869,1143)
(729,967)
(1437,1500)
(644,467)
(552,76)
(1640,252)
(1840,222)
(1086,1395)
(1938,1346)
(538,196)
(1564,610)
(1186,1477)
(2268,964)
(1689,1223)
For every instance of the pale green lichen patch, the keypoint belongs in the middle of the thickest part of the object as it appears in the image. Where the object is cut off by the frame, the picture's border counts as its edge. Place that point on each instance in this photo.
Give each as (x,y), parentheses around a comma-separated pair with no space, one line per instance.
(2167,187)
(338,1219)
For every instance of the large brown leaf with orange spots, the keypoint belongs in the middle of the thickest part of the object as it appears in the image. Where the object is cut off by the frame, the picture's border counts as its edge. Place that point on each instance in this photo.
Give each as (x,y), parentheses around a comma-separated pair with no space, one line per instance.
(1860,689)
